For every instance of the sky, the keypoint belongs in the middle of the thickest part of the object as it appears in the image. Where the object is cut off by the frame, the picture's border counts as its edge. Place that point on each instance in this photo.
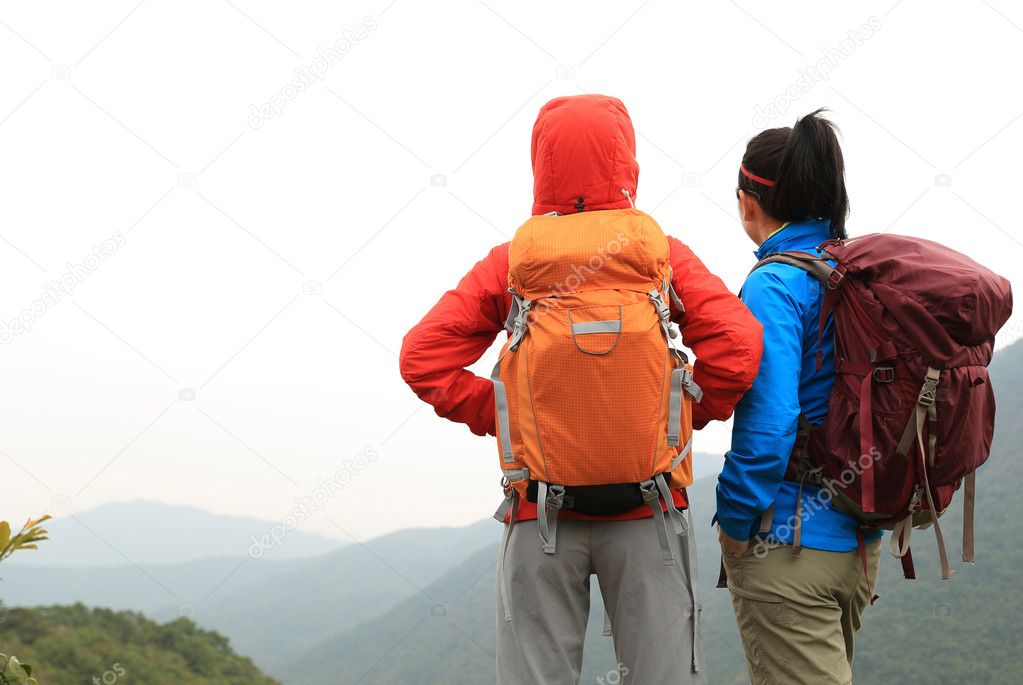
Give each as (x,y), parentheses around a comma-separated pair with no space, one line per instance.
(219,218)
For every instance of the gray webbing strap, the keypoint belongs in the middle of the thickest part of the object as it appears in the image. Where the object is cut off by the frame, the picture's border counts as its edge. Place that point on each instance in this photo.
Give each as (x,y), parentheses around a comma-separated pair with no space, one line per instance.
(650,495)
(517,324)
(548,504)
(691,576)
(928,394)
(682,454)
(501,409)
(899,543)
(510,476)
(653,491)
(675,406)
(504,552)
(932,433)
(695,391)
(681,527)
(681,379)
(514,475)
(815,266)
(663,312)
(921,410)
(606,632)
(506,505)
(513,314)
(676,300)
(906,442)
(520,326)
(587,327)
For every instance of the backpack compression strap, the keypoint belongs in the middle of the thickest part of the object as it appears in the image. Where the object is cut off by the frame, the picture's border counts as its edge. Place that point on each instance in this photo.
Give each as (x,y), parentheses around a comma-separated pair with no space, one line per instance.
(517,325)
(817,267)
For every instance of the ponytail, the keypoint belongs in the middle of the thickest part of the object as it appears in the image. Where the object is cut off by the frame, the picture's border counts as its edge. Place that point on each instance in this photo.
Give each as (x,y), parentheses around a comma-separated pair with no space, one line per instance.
(807,168)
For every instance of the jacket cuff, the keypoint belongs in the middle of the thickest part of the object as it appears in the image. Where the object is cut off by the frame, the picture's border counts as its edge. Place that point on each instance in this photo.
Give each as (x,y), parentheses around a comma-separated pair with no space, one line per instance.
(735,528)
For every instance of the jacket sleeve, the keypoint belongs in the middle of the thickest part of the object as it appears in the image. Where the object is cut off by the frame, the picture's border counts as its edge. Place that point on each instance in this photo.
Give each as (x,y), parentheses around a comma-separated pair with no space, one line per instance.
(764,431)
(453,335)
(722,332)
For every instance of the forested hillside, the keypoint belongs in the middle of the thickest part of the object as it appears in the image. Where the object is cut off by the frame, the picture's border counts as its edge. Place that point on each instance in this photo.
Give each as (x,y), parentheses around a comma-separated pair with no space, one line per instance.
(74,644)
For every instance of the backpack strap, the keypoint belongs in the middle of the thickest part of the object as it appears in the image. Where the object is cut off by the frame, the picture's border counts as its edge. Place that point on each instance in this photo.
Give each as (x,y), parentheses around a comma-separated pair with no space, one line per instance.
(654,490)
(899,548)
(862,547)
(818,267)
(926,410)
(682,454)
(517,325)
(681,376)
(829,276)
(501,409)
(969,498)
(509,505)
(549,500)
(681,380)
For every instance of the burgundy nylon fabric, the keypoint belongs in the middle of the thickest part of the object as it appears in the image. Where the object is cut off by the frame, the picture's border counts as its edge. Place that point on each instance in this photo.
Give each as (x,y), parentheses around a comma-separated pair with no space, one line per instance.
(905,304)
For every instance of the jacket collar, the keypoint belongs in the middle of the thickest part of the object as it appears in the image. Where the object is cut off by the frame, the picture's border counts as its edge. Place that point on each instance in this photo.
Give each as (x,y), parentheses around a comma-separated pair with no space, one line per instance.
(799,235)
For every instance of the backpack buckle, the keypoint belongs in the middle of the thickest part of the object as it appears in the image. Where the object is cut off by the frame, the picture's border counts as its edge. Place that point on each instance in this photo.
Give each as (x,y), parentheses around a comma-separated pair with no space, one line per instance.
(929,391)
(884,374)
(927,396)
(835,279)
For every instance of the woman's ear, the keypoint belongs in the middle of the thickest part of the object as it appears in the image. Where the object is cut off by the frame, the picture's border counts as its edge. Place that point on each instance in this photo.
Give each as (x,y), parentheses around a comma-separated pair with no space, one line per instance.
(750,210)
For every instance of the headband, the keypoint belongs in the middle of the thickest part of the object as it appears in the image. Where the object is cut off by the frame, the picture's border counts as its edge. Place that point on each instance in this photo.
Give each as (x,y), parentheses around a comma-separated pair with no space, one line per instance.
(754,177)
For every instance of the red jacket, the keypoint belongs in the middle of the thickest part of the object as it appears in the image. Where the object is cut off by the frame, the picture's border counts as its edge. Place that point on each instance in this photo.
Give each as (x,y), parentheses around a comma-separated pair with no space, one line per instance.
(583,158)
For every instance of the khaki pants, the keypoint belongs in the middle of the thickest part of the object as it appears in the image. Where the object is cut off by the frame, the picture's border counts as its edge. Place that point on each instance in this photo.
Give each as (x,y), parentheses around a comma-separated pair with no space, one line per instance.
(648,603)
(797,615)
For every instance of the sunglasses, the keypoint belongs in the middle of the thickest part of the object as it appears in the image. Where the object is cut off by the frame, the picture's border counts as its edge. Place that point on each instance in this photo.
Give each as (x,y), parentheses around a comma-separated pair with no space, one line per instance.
(747,190)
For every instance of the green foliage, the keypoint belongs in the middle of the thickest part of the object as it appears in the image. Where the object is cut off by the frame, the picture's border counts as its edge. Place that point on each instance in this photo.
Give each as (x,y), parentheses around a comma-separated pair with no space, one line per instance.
(13,672)
(77,644)
(26,538)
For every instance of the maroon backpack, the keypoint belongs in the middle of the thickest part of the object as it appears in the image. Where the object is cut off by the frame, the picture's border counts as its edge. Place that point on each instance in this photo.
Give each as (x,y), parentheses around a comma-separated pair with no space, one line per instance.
(911,414)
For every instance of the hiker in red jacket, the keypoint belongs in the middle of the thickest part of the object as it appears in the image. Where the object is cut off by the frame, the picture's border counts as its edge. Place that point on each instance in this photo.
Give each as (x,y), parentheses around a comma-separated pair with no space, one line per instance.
(584,160)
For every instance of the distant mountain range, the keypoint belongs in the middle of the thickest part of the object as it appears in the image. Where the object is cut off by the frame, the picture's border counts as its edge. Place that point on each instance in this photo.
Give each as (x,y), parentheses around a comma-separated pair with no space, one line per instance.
(141,532)
(417,607)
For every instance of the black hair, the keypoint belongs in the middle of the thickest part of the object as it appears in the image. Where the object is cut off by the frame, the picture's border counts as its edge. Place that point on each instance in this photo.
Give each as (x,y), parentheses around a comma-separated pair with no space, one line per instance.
(806,164)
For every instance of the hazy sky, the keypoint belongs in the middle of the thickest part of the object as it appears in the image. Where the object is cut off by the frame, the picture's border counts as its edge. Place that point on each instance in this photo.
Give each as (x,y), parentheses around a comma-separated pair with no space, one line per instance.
(218,219)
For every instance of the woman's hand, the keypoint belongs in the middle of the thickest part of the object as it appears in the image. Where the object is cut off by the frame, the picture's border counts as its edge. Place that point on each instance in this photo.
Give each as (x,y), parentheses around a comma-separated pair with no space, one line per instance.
(730,546)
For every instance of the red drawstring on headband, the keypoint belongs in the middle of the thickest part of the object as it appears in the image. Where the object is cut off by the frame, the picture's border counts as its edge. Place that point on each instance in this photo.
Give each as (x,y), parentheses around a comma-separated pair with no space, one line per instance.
(754,177)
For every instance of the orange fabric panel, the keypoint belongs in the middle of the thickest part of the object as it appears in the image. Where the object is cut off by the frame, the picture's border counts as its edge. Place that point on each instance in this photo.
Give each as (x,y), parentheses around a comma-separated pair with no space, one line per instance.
(558,255)
(591,408)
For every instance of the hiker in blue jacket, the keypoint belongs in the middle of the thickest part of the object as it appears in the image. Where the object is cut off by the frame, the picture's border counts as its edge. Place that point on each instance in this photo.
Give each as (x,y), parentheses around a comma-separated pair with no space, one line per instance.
(799,589)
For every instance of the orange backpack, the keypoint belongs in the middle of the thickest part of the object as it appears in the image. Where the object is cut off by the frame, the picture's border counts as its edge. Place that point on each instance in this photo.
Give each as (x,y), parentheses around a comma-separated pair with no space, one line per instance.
(593,400)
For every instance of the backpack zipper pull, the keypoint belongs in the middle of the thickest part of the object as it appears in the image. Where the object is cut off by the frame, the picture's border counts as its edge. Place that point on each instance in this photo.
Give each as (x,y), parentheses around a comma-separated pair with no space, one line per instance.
(628,196)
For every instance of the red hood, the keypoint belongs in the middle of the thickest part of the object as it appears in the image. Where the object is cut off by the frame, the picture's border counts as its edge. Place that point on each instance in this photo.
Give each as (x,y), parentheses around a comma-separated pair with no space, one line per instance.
(584,154)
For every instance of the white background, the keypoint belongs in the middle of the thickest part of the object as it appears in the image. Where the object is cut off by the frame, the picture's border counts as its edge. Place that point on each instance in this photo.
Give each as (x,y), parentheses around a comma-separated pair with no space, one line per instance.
(134,118)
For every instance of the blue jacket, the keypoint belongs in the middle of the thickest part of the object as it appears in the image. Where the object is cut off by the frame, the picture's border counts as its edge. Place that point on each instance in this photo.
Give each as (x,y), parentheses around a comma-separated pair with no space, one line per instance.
(787,301)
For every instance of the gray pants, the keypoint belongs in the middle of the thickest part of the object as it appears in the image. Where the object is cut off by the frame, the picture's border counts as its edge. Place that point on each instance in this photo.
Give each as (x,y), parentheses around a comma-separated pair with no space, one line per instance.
(649,604)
